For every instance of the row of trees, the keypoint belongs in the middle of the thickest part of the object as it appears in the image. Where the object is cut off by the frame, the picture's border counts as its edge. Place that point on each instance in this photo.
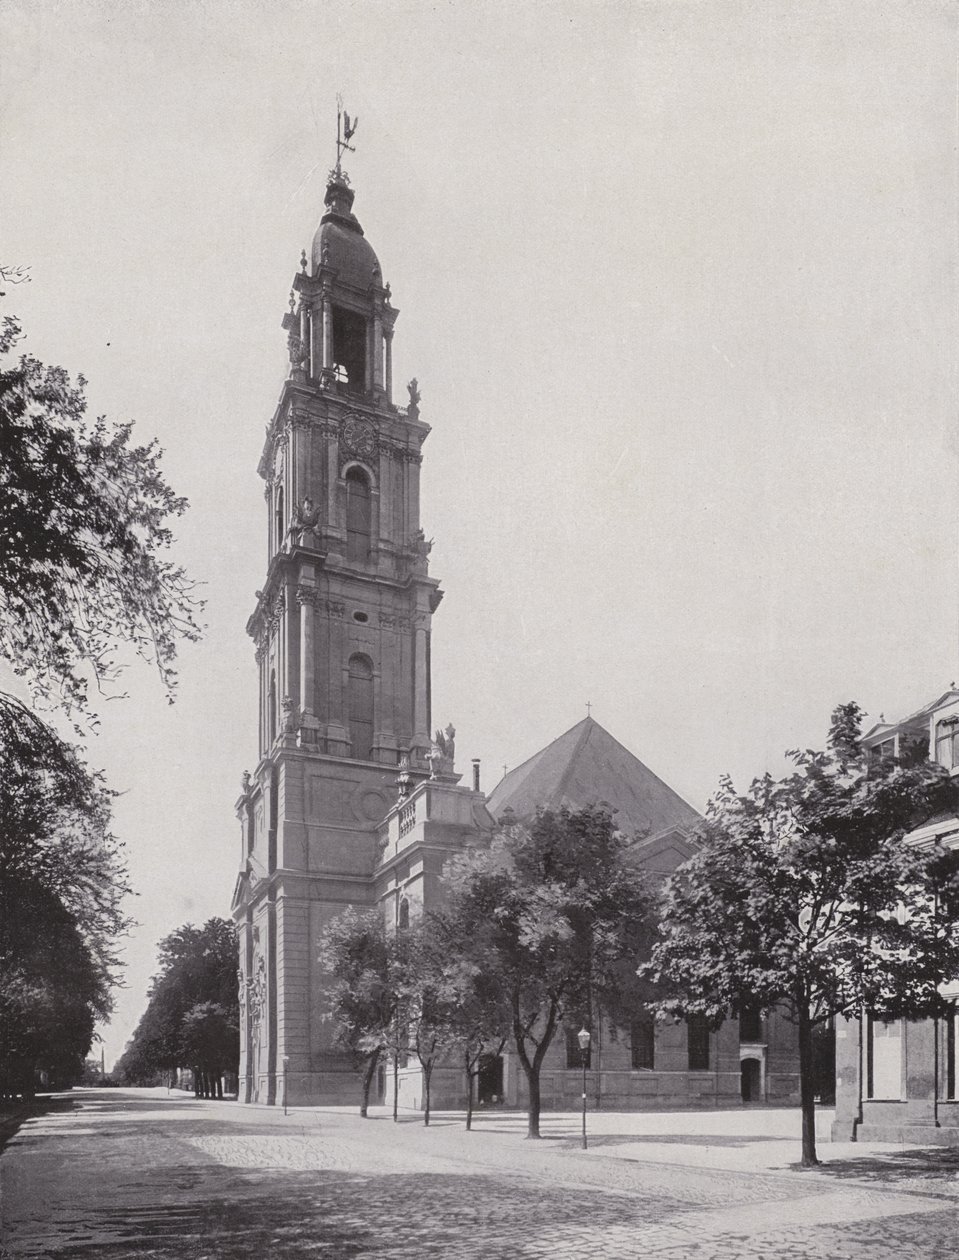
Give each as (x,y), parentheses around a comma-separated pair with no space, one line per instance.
(84,524)
(192,1015)
(538,925)
(805,897)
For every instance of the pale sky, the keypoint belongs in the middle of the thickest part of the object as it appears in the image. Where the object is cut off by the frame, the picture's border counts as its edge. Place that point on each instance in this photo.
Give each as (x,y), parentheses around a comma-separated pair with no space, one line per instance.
(678,282)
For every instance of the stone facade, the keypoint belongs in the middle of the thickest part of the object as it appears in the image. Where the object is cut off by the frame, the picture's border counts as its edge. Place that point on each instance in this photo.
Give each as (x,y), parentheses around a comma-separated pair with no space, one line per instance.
(352,803)
(342,635)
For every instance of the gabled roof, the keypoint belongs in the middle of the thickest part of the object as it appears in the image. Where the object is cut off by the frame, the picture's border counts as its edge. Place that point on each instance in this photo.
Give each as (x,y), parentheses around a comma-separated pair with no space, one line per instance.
(587,766)
(914,719)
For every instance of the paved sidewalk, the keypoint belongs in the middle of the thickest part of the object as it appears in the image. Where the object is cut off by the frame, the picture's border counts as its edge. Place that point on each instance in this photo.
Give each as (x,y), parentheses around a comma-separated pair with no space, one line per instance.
(124,1173)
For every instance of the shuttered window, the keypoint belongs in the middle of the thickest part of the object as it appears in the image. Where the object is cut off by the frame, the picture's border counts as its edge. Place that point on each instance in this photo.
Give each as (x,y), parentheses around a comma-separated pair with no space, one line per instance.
(361,708)
(358,516)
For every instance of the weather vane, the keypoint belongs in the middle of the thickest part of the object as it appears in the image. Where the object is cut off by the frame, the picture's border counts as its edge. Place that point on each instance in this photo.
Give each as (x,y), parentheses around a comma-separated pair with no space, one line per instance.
(345,129)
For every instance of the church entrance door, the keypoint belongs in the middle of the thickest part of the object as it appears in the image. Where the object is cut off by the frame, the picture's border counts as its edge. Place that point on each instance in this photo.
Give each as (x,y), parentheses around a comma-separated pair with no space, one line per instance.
(750,1081)
(490,1081)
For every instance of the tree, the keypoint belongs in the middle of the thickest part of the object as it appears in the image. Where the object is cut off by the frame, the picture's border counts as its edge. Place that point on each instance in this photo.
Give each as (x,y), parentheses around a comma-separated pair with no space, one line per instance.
(477,1009)
(62,880)
(52,989)
(361,961)
(806,895)
(429,991)
(193,1007)
(55,830)
(209,1038)
(84,523)
(549,911)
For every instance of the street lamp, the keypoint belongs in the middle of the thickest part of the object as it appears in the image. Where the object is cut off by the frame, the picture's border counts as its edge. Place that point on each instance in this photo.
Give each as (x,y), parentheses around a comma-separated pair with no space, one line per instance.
(286,1068)
(583,1038)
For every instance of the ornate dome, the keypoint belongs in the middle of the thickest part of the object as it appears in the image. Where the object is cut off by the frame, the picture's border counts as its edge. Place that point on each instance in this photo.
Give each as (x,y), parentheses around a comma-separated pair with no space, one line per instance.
(339,241)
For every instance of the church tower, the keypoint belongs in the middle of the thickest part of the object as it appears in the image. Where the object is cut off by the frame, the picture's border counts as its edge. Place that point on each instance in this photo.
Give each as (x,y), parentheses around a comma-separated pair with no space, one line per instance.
(342,634)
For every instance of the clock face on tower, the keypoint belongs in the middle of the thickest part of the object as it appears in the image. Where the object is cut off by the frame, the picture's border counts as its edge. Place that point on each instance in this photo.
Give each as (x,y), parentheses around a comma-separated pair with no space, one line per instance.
(358,437)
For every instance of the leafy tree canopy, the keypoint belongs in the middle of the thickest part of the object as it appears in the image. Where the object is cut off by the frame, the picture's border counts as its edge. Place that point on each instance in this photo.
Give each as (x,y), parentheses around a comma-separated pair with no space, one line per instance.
(806,895)
(84,524)
(551,910)
(192,1002)
(362,964)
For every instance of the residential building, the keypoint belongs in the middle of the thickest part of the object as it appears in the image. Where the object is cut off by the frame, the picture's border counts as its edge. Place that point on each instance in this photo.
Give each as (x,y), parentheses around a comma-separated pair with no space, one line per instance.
(896,1079)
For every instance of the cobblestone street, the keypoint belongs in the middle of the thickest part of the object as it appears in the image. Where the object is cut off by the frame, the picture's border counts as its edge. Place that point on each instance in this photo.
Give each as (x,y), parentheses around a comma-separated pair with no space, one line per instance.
(123,1173)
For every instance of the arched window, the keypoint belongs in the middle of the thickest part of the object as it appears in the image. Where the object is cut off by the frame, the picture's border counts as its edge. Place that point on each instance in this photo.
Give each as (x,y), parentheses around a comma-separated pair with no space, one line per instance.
(404,919)
(271,714)
(360,706)
(278,521)
(358,515)
(349,349)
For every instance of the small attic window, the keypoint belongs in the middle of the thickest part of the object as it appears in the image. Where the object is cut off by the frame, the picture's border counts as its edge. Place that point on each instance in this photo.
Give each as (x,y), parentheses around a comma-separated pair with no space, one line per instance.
(349,347)
(361,617)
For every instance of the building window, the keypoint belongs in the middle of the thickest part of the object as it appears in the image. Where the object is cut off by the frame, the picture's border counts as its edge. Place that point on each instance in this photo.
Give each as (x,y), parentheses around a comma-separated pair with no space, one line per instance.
(750,1022)
(360,704)
(951,1021)
(574,1056)
(697,1043)
(349,348)
(882,752)
(358,515)
(272,714)
(403,920)
(884,1058)
(642,1037)
(278,521)
(947,743)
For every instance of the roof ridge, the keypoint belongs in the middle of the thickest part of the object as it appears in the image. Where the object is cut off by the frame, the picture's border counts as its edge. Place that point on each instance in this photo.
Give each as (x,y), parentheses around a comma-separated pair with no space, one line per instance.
(581,742)
(541,752)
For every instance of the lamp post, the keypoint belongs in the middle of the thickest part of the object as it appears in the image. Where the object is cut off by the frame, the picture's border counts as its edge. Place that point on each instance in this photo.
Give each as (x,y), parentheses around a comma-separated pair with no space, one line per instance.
(286,1068)
(583,1038)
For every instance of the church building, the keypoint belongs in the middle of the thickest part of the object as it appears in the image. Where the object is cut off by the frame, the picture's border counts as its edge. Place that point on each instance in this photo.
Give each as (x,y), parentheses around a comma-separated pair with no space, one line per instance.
(352,803)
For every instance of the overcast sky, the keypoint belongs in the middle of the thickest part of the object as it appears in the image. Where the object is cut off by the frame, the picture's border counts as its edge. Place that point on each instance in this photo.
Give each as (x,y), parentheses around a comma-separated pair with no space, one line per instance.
(678,281)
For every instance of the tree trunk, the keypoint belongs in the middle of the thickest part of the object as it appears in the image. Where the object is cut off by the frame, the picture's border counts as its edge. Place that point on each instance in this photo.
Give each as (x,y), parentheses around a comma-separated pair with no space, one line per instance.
(807,1087)
(368,1081)
(532,1082)
(469,1093)
(396,1088)
(427,1074)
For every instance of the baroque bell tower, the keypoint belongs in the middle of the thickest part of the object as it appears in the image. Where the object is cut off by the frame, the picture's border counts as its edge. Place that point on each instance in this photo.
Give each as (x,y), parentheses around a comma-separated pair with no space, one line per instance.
(342,634)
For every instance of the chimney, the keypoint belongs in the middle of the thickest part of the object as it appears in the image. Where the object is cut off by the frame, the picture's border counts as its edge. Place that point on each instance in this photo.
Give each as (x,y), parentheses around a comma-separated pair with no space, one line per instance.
(476,781)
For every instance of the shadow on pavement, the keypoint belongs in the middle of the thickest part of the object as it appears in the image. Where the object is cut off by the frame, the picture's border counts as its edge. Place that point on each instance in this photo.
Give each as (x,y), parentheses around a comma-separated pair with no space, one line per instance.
(204,1212)
(41,1105)
(930,1163)
(679,1139)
